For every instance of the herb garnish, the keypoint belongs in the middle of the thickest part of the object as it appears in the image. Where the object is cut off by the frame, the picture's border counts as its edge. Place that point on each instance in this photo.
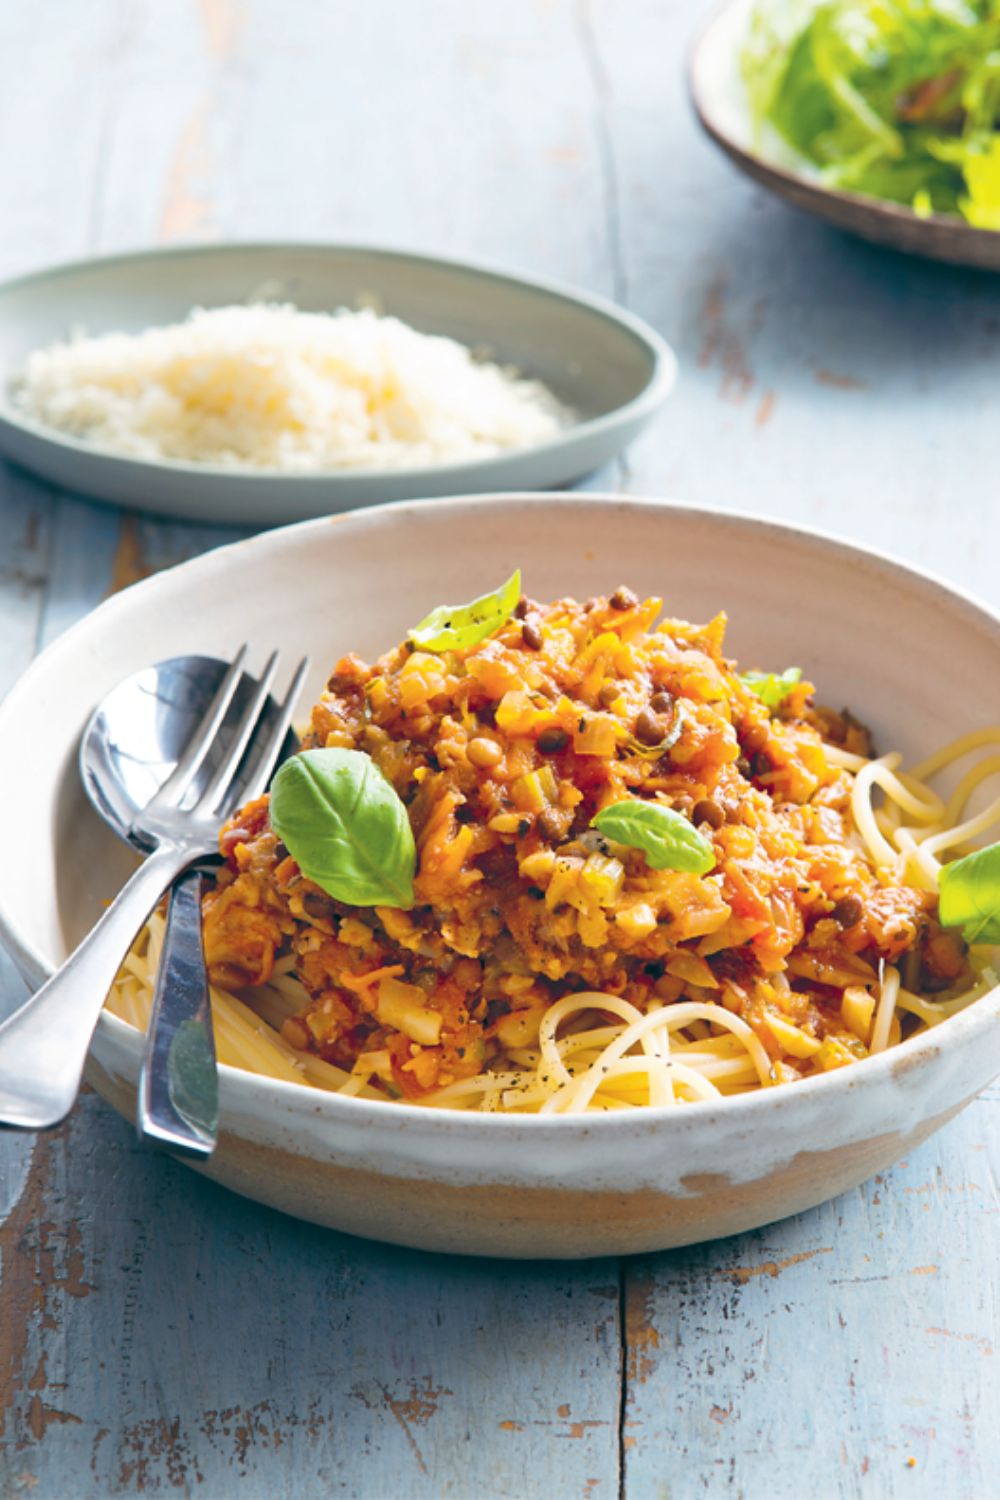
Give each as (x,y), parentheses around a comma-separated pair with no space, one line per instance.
(673,734)
(344,825)
(772,688)
(459,627)
(969,895)
(668,840)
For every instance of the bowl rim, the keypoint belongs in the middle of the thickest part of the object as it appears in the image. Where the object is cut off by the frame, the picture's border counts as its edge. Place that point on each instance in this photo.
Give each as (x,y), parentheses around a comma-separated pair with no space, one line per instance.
(245,1089)
(863,203)
(662,377)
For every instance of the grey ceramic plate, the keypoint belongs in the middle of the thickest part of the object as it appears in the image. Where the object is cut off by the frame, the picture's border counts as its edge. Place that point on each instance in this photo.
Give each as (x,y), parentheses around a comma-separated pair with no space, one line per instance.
(719,99)
(613,370)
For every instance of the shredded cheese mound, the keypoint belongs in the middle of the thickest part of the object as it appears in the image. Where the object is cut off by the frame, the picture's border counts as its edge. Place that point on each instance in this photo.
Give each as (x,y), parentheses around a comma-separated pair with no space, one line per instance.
(270,387)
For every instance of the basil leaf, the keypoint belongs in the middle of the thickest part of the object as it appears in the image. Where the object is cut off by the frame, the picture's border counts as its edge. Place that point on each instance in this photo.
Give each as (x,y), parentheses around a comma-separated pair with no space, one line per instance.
(772,688)
(345,826)
(969,895)
(667,839)
(459,627)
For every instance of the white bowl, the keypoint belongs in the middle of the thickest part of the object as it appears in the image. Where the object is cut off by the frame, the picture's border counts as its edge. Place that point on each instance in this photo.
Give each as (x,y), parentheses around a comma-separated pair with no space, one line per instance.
(917,660)
(611,369)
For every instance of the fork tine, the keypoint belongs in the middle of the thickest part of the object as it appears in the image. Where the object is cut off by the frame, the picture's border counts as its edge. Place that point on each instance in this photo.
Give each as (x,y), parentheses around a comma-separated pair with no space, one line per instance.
(269,749)
(186,769)
(227,768)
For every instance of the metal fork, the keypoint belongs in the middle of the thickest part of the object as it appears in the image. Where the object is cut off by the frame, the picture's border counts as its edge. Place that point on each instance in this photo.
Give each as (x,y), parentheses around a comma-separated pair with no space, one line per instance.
(177,1102)
(43,1046)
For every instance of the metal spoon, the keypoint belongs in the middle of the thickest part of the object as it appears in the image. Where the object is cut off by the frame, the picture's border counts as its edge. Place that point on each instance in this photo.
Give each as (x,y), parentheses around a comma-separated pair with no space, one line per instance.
(129,750)
(165,759)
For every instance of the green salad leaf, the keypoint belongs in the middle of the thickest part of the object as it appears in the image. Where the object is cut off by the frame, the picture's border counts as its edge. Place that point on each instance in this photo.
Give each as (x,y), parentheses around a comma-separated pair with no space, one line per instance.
(344,825)
(668,840)
(459,627)
(772,688)
(969,895)
(894,99)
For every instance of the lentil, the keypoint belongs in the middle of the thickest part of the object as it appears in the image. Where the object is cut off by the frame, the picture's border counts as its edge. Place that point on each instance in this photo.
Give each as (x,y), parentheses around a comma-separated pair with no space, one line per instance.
(848,913)
(623,598)
(531,635)
(317,906)
(552,740)
(707,811)
(649,729)
(484,753)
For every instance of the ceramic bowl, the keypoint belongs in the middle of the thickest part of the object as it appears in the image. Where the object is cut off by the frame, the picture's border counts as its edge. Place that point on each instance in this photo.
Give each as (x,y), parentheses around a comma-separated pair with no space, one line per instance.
(720,102)
(610,368)
(917,660)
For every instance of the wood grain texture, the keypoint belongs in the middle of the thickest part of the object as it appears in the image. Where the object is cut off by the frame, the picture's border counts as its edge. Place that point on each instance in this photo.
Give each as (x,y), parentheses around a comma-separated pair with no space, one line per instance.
(182,1338)
(855,1344)
(161,1336)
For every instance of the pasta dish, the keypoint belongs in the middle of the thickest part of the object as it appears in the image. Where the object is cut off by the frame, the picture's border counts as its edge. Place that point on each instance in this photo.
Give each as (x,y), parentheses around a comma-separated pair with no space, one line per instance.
(562,858)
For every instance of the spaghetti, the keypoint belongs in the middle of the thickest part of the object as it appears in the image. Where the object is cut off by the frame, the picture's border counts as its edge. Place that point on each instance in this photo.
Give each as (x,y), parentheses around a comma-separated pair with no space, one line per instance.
(811,944)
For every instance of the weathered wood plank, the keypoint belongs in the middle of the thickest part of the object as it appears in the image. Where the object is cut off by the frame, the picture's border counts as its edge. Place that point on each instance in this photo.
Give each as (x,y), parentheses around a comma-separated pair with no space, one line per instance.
(466,129)
(854,1344)
(41,164)
(25,542)
(25,546)
(185,1339)
(157,171)
(57,74)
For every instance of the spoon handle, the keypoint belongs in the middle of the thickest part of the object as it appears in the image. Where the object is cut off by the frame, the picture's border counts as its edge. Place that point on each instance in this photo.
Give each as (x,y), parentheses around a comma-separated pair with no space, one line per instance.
(178,1104)
(43,1045)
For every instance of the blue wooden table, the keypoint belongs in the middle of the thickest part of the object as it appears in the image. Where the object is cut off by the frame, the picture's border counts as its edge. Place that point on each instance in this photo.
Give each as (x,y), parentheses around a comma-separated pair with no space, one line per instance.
(160,1336)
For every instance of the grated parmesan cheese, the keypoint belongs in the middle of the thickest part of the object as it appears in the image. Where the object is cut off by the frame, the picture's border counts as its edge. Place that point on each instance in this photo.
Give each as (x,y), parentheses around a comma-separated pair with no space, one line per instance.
(270,387)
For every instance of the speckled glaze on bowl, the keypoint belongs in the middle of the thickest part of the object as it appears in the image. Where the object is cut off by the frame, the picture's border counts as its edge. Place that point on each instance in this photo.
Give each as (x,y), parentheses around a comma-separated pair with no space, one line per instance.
(916,659)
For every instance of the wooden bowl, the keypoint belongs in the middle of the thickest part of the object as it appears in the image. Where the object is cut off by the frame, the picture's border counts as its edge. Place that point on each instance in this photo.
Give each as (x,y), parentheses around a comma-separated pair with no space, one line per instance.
(917,660)
(719,98)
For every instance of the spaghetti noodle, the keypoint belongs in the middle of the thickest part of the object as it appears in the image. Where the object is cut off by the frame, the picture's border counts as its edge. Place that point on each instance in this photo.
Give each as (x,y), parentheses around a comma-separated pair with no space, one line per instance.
(812,943)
